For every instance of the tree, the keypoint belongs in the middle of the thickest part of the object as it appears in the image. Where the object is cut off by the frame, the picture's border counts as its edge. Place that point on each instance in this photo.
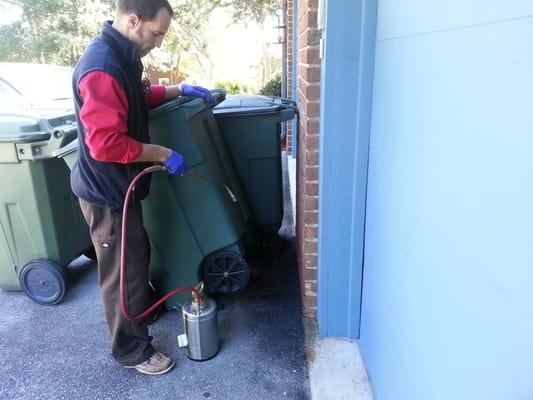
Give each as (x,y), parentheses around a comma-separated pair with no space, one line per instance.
(51,31)
(57,31)
(186,43)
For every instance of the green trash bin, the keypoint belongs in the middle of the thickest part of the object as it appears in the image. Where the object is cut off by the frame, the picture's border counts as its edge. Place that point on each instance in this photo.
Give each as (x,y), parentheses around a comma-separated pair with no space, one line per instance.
(251,128)
(41,225)
(196,231)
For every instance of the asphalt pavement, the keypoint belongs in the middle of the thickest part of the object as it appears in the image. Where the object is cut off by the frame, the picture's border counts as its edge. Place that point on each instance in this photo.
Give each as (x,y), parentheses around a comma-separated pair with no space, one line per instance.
(62,351)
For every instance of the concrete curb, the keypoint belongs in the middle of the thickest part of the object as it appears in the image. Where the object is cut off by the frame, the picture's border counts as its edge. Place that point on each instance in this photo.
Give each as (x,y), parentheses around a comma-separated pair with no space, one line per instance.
(336,370)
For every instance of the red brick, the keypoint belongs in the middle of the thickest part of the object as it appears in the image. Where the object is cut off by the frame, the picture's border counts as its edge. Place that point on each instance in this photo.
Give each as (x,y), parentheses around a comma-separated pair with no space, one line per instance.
(309,303)
(309,74)
(311,173)
(311,189)
(302,31)
(302,6)
(310,261)
(312,141)
(310,247)
(308,36)
(312,18)
(302,86)
(312,109)
(311,158)
(311,233)
(310,204)
(311,217)
(309,55)
(309,274)
(311,91)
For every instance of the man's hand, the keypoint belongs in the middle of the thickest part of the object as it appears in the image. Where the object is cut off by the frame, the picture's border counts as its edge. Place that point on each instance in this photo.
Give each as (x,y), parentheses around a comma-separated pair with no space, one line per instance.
(175,164)
(198,91)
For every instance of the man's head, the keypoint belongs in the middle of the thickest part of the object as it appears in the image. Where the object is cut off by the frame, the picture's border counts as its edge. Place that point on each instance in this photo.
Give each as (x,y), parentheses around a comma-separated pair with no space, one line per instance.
(144,22)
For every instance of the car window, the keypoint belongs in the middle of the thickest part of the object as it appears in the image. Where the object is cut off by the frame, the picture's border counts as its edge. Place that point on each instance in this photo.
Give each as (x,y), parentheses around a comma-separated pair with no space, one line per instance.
(50,85)
(42,85)
(10,98)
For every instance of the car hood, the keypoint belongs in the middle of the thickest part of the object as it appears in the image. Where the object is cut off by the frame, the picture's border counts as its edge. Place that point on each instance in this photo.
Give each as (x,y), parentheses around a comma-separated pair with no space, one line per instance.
(43,111)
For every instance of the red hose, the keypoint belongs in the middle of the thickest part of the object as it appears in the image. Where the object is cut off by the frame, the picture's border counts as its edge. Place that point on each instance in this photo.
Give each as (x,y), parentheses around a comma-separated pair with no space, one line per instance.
(123,306)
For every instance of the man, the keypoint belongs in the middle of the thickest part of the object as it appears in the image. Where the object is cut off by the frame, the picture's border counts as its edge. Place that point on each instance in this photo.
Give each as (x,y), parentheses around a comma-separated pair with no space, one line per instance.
(112,113)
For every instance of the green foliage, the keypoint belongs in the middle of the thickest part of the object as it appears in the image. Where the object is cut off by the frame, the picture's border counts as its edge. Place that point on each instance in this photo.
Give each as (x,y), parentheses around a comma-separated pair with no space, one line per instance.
(272,87)
(51,31)
(57,31)
(256,10)
(233,87)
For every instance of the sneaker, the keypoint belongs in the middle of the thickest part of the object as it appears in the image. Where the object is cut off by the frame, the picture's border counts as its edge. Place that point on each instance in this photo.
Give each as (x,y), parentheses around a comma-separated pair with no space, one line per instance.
(157,364)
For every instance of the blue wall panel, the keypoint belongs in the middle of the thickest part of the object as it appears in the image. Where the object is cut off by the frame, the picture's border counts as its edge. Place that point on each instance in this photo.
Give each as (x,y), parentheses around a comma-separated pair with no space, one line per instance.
(414,17)
(344,134)
(447,301)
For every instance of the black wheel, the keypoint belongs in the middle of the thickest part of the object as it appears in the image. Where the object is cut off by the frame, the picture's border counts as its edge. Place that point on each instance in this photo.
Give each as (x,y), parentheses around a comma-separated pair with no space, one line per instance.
(43,281)
(90,253)
(225,272)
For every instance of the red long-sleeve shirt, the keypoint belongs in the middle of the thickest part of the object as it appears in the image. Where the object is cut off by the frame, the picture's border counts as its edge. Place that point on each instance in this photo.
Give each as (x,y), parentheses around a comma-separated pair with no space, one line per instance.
(105,116)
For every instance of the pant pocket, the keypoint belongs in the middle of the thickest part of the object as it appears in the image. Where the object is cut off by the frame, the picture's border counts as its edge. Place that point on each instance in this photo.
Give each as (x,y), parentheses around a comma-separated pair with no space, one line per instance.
(105,243)
(107,251)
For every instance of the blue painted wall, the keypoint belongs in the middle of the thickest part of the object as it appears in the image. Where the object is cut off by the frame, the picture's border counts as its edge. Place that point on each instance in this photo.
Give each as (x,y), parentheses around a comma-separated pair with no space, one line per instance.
(447,309)
(344,133)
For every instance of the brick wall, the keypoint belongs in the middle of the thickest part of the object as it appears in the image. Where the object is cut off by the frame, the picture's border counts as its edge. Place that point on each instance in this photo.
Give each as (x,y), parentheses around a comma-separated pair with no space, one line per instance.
(289,69)
(308,98)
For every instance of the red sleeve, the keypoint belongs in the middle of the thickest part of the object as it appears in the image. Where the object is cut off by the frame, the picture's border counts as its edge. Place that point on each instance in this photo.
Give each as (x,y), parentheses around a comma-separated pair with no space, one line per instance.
(104,114)
(155,96)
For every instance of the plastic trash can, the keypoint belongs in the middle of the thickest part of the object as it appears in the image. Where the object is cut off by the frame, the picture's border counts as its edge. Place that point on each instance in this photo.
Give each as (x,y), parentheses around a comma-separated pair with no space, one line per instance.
(196,231)
(251,129)
(41,225)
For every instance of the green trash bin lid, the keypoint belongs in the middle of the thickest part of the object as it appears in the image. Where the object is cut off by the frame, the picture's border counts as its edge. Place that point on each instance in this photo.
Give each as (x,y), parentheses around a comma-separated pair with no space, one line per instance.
(193,105)
(247,104)
(21,129)
(35,134)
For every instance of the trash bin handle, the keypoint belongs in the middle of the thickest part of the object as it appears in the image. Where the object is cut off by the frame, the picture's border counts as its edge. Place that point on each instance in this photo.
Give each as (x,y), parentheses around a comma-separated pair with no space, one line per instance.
(287,114)
(285,101)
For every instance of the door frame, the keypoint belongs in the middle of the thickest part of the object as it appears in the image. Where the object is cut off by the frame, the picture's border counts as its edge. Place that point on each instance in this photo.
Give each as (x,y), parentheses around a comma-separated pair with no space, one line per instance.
(348,44)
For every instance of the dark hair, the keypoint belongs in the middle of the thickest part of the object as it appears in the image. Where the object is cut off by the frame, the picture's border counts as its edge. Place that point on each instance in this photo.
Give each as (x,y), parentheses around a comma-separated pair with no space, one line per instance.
(145,9)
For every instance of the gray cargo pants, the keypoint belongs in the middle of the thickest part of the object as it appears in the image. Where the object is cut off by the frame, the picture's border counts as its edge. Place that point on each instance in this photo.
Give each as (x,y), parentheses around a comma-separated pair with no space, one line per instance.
(130,342)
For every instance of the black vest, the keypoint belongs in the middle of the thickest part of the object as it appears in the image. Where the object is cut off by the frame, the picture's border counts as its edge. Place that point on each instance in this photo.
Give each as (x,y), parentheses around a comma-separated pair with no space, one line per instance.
(104,184)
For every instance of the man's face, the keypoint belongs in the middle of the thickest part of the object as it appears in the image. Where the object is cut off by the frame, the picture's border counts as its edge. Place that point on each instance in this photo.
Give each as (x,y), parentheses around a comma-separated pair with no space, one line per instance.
(148,35)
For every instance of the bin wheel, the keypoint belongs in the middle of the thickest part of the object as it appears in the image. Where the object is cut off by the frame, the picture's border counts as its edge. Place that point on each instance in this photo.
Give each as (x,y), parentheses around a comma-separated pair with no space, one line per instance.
(90,253)
(225,272)
(43,281)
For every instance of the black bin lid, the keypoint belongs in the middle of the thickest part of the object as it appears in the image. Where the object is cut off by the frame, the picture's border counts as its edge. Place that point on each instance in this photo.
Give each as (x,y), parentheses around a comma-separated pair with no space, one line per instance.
(249,104)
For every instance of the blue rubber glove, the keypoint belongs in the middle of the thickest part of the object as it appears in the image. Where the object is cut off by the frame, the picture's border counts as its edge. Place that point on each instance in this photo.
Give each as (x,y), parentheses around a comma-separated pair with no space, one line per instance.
(198,91)
(175,164)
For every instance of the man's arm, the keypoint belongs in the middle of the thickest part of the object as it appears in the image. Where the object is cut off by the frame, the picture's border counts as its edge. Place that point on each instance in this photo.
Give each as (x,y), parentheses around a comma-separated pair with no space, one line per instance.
(153,153)
(172,91)
(188,90)
(158,94)
(104,115)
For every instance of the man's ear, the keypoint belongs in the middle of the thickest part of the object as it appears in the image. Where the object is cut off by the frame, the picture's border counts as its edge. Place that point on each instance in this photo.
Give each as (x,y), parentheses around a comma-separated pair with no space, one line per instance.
(133,20)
